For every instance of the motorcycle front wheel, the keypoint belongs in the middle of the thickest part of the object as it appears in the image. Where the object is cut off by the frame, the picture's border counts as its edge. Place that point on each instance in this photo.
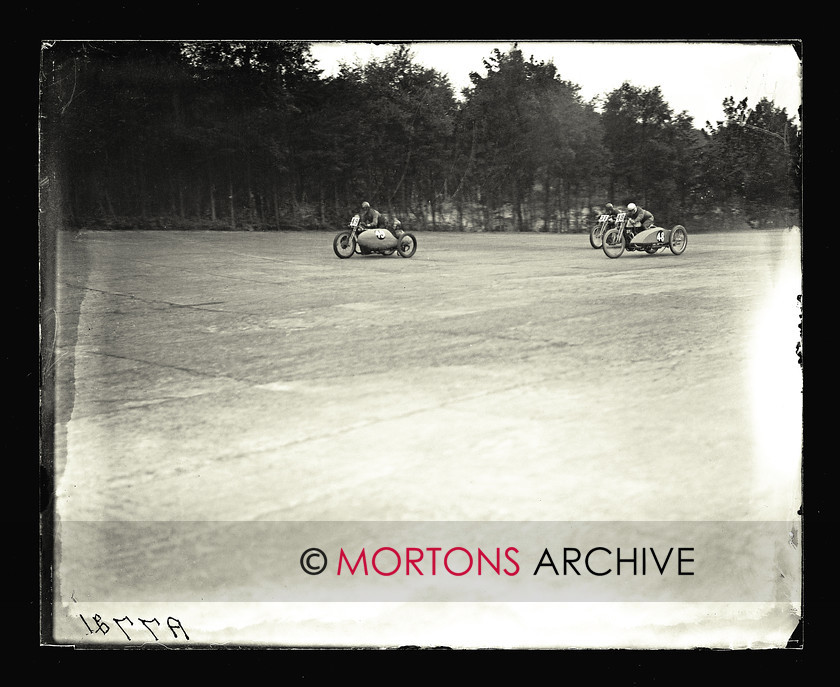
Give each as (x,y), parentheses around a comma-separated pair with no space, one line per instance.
(613,243)
(344,244)
(596,236)
(407,245)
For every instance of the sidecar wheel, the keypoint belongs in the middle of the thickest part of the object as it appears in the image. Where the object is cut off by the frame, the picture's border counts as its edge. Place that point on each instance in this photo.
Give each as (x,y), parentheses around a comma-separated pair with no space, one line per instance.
(596,236)
(344,244)
(407,245)
(613,243)
(679,239)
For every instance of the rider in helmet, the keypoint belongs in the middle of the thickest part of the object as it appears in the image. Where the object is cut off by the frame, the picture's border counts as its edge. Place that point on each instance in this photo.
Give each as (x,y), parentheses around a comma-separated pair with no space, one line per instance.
(641,218)
(610,209)
(370,218)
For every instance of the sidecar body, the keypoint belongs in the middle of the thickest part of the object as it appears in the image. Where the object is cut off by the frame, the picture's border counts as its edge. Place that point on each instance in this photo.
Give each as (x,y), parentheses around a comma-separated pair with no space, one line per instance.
(377,240)
(655,237)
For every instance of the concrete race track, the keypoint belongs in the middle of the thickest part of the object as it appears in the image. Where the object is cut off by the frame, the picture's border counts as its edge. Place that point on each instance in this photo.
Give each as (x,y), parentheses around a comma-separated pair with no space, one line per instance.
(216,377)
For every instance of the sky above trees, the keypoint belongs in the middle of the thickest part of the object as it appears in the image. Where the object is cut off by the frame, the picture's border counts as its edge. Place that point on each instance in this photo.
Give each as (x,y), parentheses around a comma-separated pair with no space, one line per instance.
(694,77)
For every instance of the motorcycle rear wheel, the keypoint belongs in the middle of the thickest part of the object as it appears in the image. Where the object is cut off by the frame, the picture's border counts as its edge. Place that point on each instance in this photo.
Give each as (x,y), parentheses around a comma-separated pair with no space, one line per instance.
(613,243)
(344,244)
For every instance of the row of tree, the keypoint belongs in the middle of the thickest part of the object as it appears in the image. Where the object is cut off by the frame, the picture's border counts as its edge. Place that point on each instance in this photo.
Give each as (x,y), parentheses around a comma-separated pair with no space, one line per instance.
(251,135)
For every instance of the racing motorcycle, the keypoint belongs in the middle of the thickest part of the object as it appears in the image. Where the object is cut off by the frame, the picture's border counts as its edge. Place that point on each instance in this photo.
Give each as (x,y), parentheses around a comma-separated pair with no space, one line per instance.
(358,240)
(621,237)
(596,234)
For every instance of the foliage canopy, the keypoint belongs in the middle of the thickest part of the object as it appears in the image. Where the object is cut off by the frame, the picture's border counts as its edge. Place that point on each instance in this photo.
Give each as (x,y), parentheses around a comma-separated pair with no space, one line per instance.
(251,135)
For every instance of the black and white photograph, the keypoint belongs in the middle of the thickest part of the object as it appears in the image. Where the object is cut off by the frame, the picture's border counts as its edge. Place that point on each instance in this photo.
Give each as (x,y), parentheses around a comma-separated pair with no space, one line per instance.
(383,344)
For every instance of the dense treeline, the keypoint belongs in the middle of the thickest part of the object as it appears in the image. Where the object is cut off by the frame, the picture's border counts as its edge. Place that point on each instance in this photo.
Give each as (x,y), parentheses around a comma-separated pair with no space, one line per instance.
(251,135)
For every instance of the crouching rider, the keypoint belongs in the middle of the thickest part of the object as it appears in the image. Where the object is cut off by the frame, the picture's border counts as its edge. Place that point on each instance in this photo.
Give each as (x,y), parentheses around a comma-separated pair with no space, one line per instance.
(641,218)
(369,218)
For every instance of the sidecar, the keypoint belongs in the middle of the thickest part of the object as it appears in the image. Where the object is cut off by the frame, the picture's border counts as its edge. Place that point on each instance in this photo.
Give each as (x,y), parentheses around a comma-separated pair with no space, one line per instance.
(376,241)
(357,241)
(652,240)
